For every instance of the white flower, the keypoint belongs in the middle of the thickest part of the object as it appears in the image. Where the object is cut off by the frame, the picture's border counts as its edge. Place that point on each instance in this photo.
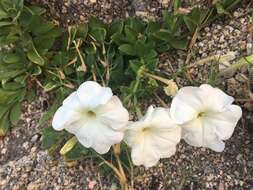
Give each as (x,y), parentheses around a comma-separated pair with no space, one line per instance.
(206,114)
(152,137)
(94,116)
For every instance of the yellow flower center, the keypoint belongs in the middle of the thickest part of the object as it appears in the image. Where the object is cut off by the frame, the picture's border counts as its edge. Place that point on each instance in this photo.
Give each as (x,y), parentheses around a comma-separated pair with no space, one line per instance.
(201,114)
(88,114)
(146,129)
(91,113)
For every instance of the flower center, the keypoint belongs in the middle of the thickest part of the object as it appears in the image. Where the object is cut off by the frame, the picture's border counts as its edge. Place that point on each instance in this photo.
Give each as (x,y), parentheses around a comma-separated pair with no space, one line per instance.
(88,114)
(201,114)
(91,114)
(146,129)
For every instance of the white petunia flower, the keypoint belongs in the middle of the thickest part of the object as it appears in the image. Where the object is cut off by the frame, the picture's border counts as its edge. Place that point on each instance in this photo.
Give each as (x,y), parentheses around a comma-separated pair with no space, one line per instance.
(94,116)
(206,114)
(153,137)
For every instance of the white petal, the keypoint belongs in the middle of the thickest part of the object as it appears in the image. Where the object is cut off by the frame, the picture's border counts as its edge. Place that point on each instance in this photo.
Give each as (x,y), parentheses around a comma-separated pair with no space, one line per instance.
(142,154)
(165,141)
(223,123)
(192,132)
(132,133)
(211,129)
(216,145)
(91,94)
(147,149)
(148,116)
(63,117)
(186,104)
(72,101)
(152,138)
(161,116)
(98,136)
(197,133)
(113,114)
(214,99)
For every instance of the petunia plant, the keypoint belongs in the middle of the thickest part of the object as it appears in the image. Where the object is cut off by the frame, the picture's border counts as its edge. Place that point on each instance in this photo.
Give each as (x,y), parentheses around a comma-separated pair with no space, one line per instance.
(203,116)
(37,52)
(99,73)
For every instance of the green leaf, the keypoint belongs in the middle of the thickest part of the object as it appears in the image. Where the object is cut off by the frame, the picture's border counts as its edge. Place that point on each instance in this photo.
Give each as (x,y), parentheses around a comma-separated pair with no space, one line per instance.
(91,49)
(176,4)
(5,23)
(3,14)
(51,137)
(21,79)
(43,42)
(190,24)
(11,58)
(179,43)
(94,22)
(144,49)
(221,9)
(127,49)
(118,38)
(6,40)
(61,59)
(54,33)
(166,36)
(98,34)
(35,9)
(131,35)
(6,96)
(30,95)
(12,85)
(39,26)
(35,57)
(82,31)
(4,124)
(229,4)
(10,74)
(36,71)
(50,86)
(18,4)
(135,24)
(116,26)
(4,109)
(15,113)
(152,27)
(163,34)
(135,65)
(76,152)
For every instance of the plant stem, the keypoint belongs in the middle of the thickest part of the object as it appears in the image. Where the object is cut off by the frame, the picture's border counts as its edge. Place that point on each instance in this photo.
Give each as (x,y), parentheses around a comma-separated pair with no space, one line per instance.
(123,180)
(161,79)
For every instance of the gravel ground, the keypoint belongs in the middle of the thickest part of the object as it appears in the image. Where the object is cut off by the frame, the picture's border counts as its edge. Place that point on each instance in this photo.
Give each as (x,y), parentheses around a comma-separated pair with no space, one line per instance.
(23,165)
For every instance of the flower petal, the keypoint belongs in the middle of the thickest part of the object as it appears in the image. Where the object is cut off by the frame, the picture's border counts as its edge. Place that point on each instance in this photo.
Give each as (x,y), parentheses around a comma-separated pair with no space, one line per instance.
(211,129)
(214,99)
(148,116)
(63,117)
(91,94)
(161,116)
(165,141)
(98,136)
(224,123)
(144,154)
(186,104)
(192,132)
(132,133)
(113,114)
(152,138)
(198,133)
(72,102)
